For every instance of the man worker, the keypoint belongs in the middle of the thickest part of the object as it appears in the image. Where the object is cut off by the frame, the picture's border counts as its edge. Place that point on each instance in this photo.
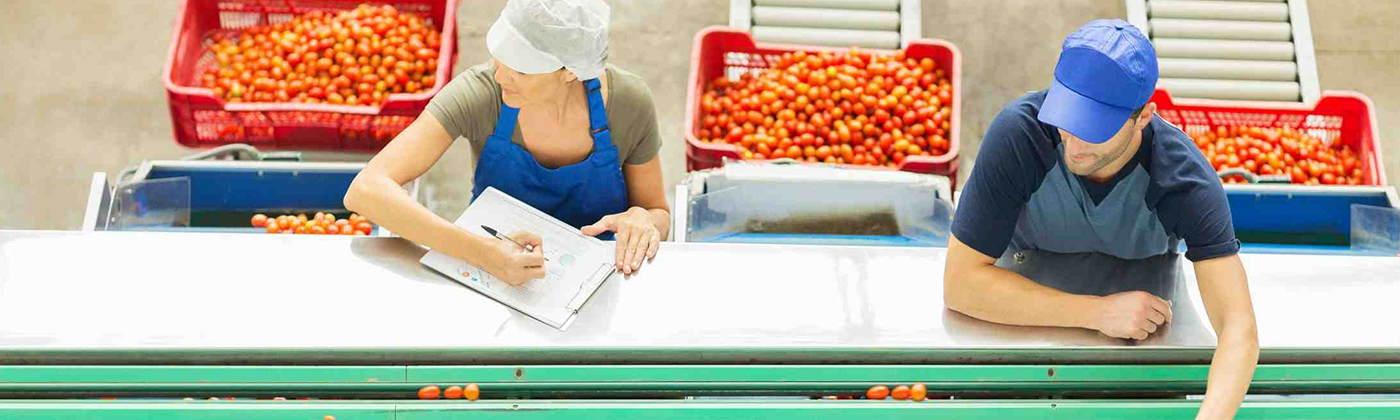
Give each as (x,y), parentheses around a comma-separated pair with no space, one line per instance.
(1078,204)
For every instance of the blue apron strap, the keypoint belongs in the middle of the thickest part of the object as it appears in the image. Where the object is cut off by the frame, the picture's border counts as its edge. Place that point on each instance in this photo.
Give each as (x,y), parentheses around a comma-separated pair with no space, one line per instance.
(505,123)
(597,115)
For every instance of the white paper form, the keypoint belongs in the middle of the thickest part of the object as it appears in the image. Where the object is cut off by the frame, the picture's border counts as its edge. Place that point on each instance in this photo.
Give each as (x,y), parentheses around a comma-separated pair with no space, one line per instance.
(576,265)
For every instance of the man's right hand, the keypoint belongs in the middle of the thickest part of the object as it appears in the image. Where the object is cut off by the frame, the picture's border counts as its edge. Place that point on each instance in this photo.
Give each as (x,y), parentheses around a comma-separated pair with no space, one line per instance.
(514,265)
(1132,315)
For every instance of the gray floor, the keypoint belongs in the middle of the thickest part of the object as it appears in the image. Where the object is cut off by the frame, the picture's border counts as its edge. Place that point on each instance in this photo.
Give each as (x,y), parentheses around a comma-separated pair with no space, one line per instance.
(81,89)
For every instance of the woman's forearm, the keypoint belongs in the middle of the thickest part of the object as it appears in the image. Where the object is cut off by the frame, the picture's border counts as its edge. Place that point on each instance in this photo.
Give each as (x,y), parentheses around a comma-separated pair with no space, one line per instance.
(386,203)
(662,219)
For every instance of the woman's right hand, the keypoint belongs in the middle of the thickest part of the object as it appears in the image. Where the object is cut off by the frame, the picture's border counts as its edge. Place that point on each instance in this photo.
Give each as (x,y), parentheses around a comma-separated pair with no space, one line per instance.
(514,265)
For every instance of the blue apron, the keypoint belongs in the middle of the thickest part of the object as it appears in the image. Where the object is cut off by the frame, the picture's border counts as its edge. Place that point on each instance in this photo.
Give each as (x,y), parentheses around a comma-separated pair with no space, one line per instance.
(578,194)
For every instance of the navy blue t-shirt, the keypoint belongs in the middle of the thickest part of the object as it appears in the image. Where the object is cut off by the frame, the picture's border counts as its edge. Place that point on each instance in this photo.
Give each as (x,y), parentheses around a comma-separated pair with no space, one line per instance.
(1020,195)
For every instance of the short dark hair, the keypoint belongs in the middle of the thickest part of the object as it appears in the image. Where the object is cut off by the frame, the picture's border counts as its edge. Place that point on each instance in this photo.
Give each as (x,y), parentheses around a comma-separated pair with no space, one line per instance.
(1138,111)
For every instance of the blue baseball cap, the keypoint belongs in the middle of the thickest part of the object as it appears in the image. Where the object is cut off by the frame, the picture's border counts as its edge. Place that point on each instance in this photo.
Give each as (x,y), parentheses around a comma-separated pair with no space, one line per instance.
(1107,69)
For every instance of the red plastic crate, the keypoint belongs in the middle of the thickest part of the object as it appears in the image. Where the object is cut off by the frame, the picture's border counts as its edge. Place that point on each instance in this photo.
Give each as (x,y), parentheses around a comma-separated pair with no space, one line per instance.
(722,51)
(201,120)
(1348,117)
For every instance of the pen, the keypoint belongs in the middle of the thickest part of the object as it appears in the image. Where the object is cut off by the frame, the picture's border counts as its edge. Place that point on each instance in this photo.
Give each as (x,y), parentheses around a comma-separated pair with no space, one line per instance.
(498,235)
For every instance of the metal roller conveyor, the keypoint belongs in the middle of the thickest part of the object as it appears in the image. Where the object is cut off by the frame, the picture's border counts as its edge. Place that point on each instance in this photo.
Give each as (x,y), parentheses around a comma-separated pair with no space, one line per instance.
(1232,89)
(1224,49)
(830,37)
(1264,41)
(877,20)
(1189,68)
(1217,29)
(890,5)
(1227,10)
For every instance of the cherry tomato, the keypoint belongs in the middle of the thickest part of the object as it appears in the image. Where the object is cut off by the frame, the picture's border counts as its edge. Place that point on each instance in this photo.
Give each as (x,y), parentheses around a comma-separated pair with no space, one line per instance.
(471,392)
(271,59)
(430,392)
(333,230)
(901,145)
(829,99)
(918,392)
(878,392)
(273,228)
(259,220)
(452,393)
(318,230)
(917,130)
(900,392)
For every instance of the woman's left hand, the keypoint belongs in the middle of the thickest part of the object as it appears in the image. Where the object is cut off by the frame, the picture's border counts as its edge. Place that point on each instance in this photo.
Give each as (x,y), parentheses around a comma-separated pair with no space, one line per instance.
(636,235)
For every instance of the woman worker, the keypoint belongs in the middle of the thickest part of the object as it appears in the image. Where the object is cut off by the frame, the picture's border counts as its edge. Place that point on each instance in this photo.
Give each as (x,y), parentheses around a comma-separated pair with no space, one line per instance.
(549,124)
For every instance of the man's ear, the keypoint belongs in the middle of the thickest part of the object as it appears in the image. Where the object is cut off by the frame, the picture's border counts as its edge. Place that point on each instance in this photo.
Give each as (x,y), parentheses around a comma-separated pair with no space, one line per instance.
(1146,116)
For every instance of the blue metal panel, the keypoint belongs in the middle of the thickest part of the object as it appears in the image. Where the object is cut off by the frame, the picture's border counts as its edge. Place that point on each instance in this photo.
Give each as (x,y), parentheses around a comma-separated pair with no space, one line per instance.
(1297,214)
(261,189)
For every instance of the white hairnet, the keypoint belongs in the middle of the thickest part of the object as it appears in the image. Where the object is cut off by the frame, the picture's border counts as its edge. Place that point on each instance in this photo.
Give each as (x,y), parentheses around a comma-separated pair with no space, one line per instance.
(540,36)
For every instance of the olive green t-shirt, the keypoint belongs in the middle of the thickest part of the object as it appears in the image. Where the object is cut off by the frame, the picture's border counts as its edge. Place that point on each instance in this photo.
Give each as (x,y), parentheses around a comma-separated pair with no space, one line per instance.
(469,105)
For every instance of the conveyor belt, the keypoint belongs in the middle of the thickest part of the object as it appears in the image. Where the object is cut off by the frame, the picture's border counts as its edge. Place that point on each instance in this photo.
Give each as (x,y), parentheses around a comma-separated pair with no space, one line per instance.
(171,298)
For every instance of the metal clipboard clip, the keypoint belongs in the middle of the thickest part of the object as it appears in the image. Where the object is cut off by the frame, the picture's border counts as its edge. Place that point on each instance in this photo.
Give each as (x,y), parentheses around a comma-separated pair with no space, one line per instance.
(586,289)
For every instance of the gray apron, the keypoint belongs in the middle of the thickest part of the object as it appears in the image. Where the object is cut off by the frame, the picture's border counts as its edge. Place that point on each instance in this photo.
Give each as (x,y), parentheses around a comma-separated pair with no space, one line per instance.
(1092,273)
(1066,241)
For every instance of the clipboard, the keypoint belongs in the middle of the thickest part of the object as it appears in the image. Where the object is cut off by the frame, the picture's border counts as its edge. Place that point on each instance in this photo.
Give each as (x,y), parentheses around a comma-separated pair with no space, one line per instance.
(577,264)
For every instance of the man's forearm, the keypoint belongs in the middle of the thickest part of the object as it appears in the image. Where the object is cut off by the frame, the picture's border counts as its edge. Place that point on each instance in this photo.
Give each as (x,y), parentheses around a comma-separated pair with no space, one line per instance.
(1231,370)
(999,295)
(1225,292)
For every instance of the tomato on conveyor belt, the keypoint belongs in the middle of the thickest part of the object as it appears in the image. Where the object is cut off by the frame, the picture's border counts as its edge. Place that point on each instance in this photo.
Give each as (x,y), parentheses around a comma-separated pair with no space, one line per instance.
(321,224)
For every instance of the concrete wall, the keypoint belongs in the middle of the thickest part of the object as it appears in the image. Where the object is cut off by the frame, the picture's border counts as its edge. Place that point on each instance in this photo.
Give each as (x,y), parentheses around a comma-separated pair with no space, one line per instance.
(80,88)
